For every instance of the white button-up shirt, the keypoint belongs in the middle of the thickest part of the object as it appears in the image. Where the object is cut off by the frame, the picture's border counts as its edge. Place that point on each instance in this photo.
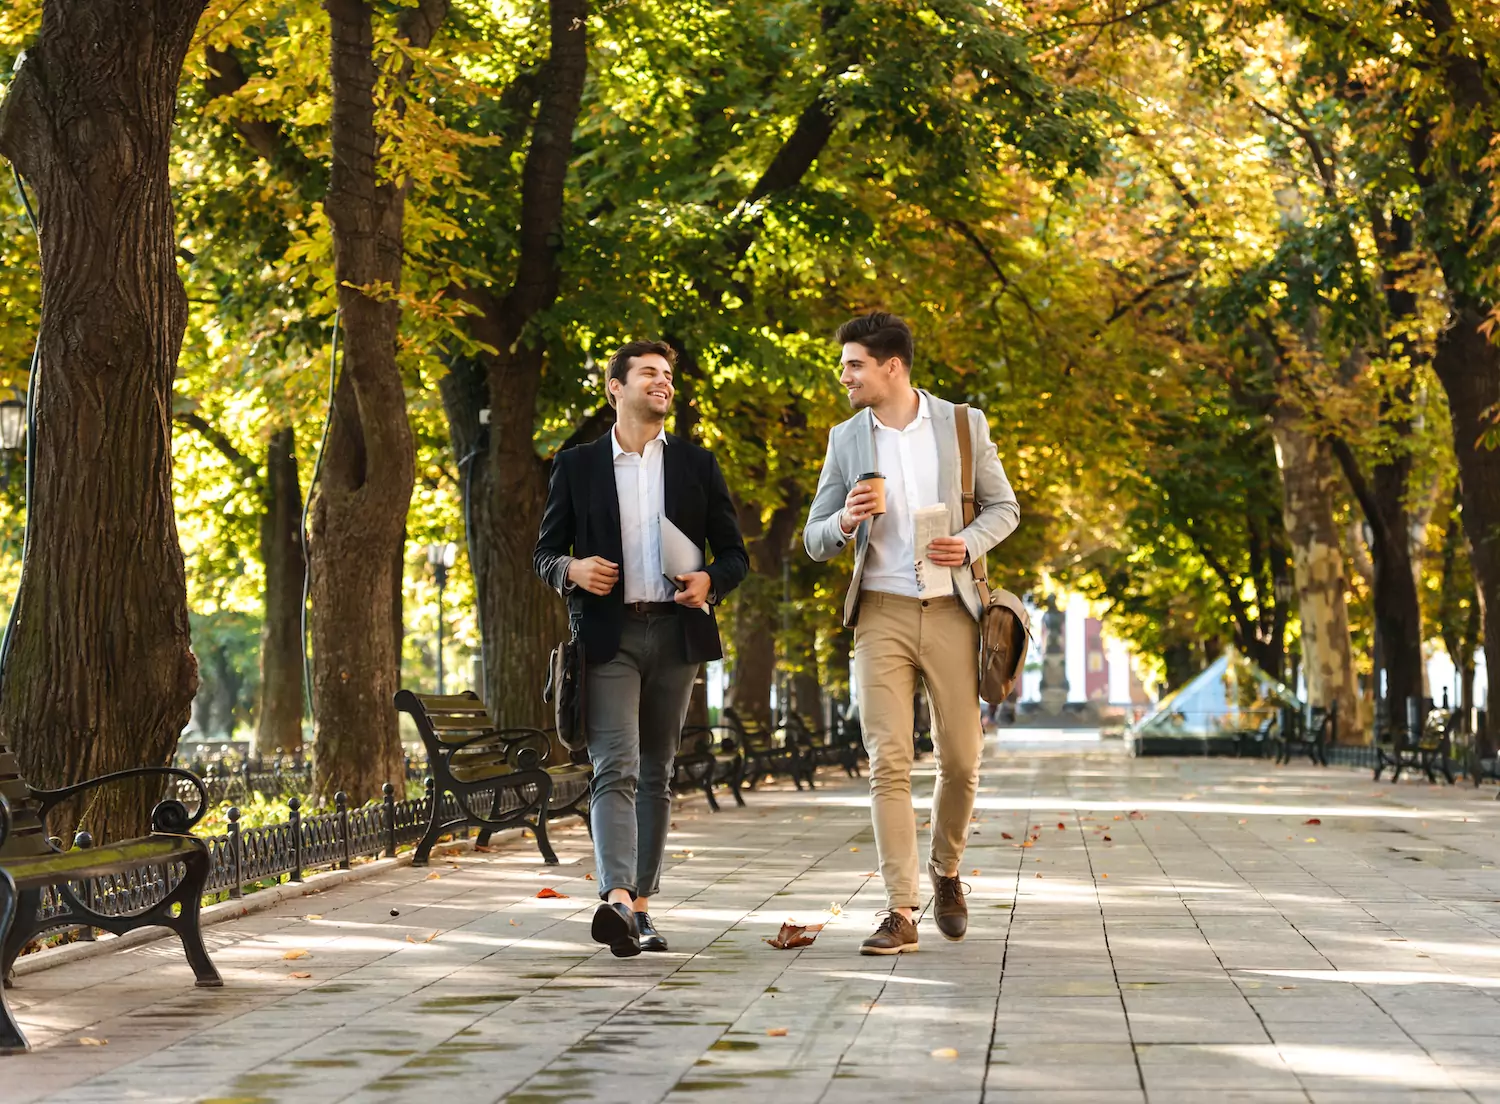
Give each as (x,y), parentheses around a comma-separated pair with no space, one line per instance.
(640,489)
(908,458)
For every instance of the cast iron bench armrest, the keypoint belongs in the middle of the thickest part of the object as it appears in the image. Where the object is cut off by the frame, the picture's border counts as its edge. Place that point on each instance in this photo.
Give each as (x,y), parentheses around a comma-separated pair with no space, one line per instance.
(5,820)
(515,747)
(169,815)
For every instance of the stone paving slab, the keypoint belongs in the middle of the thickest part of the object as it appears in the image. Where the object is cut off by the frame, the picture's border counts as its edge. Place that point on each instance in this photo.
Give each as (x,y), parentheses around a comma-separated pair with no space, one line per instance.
(1153,931)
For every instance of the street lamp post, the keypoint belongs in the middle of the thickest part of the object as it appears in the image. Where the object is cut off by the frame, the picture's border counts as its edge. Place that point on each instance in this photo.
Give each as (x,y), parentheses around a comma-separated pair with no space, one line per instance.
(12,432)
(1284,592)
(441,557)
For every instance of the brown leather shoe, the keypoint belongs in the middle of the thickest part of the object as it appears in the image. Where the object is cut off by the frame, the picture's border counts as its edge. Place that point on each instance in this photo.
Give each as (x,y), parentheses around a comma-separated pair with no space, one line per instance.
(896,935)
(949,909)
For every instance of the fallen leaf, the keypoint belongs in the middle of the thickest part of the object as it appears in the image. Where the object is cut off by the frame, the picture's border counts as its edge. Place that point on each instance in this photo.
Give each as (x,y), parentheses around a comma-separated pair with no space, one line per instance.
(835,909)
(1061,825)
(88,1041)
(291,955)
(1038,873)
(974,872)
(484,849)
(300,974)
(1104,875)
(409,939)
(588,877)
(515,923)
(1286,987)
(776,1032)
(1109,839)
(1135,815)
(854,849)
(527,833)
(1028,843)
(1312,820)
(945,1052)
(548,891)
(674,826)
(313,916)
(430,938)
(1006,835)
(434,876)
(792,936)
(1118,817)
(1311,839)
(395,912)
(1244,821)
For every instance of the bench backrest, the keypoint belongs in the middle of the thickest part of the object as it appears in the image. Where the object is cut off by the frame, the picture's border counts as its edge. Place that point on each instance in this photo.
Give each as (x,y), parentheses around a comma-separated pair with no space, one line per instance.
(459,733)
(28,835)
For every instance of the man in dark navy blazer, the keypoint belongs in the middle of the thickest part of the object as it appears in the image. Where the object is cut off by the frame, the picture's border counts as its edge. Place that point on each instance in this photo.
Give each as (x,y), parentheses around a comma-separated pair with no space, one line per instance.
(644,635)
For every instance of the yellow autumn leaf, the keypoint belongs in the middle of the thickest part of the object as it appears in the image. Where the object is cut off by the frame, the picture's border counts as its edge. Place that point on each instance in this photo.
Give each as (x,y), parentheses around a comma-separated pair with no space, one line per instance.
(293,955)
(945,1052)
(89,1041)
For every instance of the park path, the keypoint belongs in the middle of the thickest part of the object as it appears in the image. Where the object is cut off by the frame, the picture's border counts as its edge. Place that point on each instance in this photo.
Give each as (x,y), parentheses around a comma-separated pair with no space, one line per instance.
(1178,930)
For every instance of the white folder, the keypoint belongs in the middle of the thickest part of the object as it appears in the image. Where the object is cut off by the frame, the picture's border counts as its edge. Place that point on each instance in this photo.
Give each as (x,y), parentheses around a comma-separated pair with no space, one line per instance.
(679,555)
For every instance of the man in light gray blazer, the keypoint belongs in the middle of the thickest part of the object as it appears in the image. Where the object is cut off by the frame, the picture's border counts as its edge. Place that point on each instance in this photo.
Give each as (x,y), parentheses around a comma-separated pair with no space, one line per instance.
(910,620)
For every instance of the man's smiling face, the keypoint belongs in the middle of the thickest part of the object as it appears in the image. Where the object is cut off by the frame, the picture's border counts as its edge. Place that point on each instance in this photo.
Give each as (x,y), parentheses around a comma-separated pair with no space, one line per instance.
(647,388)
(865,380)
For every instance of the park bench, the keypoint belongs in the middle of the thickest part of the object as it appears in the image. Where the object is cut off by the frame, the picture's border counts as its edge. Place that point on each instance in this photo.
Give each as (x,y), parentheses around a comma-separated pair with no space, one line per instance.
(823,746)
(767,753)
(708,757)
(79,879)
(499,777)
(1424,743)
(1256,740)
(1310,732)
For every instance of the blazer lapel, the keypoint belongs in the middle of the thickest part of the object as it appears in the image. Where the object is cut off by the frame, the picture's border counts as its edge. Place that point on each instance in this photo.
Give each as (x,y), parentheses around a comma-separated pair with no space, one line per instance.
(672,459)
(606,499)
(944,429)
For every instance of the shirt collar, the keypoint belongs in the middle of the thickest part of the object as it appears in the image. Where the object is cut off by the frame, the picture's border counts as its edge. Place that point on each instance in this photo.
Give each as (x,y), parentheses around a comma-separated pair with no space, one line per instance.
(924,412)
(615,447)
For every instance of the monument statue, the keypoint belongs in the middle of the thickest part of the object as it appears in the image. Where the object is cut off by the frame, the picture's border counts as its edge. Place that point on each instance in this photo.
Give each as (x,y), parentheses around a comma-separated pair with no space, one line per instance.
(1054,659)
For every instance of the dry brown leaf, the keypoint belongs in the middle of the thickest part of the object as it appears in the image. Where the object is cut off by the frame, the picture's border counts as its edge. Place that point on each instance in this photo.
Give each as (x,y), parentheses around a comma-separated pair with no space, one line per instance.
(1104,875)
(1006,835)
(300,974)
(430,938)
(1312,820)
(1028,843)
(292,955)
(515,923)
(1134,815)
(776,1032)
(433,876)
(1109,839)
(792,936)
(975,872)
(1061,825)
(409,939)
(548,892)
(588,877)
(90,1041)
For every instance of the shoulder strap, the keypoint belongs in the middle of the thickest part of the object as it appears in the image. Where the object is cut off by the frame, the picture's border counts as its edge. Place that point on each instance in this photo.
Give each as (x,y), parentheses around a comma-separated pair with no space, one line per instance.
(966,476)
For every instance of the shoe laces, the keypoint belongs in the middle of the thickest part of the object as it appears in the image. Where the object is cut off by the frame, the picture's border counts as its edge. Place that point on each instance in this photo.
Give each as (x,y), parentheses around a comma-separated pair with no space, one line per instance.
(950,891)
(892,923)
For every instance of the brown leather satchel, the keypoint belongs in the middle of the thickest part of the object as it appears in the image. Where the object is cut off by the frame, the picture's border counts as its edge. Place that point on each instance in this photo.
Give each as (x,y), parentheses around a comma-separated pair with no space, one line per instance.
(1004,625)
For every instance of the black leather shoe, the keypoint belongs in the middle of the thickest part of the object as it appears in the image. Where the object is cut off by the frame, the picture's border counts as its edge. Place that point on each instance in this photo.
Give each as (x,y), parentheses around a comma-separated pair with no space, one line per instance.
(651,939)
(614,926)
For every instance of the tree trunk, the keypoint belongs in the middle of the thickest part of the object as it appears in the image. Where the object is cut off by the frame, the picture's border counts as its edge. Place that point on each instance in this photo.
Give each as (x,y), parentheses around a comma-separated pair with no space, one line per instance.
(359,512)
(99,675)
(1308,477)
(754,648)
(519,617)
(1468,364)
(279,725)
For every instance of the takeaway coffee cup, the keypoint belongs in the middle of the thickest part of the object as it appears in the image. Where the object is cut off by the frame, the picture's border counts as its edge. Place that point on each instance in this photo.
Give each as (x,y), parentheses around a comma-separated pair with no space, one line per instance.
(875,482)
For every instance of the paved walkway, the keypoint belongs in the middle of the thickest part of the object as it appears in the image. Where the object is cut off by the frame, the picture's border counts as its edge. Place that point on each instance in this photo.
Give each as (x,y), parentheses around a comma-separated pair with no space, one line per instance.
(1190,930)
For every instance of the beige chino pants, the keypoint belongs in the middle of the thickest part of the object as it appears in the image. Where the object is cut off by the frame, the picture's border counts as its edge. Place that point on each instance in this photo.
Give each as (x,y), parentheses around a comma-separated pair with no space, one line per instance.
(895,641)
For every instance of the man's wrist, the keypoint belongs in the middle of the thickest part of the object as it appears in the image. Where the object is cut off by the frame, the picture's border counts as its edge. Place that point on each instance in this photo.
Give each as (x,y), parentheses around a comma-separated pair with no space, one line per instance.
(844,529)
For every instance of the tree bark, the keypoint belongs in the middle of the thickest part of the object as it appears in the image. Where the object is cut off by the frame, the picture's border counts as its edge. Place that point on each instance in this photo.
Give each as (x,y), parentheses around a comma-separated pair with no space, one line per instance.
(1308,477)
(99,675)
(754,649)
(1468,364)
(359,508)
(507,488)
(279,721)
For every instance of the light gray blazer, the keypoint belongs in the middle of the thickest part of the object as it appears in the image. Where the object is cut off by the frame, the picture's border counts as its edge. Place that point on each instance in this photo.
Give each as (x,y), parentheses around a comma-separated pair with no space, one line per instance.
(851,453)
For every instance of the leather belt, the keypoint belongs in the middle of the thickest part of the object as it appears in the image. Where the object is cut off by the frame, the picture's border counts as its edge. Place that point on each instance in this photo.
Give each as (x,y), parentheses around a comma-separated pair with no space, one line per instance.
(644,609)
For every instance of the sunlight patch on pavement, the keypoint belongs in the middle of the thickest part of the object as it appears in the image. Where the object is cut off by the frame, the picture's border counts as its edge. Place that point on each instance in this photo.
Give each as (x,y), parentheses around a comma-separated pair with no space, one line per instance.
(1413,1071)
(1383,977)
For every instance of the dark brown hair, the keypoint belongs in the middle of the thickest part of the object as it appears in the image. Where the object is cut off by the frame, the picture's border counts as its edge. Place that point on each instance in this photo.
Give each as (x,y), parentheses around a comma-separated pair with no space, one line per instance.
(883,334)
(619,361)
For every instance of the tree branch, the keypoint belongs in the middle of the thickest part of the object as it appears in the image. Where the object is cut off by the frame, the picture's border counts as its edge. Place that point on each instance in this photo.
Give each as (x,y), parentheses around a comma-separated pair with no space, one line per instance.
(214,436)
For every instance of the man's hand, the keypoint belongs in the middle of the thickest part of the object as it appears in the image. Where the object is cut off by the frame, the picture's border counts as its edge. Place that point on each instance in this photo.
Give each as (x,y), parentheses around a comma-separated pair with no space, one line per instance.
(695,588)
(859,504)
(948,551)
(595,574)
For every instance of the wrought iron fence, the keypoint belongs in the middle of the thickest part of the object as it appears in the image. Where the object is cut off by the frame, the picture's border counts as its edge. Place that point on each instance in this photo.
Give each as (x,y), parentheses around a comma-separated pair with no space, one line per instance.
(287,849)
(230,776)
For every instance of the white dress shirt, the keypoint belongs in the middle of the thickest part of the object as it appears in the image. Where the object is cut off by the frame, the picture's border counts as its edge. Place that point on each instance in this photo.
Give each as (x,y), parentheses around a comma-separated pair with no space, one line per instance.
(639,487)
(908,458)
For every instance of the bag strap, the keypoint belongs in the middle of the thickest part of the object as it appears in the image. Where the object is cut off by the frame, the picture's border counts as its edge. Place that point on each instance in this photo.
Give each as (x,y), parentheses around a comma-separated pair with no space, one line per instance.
(966,475)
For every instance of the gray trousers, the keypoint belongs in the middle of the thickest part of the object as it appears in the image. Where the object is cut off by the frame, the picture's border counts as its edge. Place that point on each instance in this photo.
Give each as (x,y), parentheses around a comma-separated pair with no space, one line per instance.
(637,703)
